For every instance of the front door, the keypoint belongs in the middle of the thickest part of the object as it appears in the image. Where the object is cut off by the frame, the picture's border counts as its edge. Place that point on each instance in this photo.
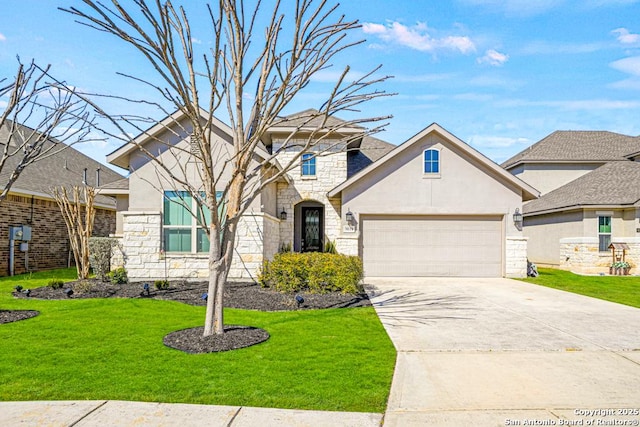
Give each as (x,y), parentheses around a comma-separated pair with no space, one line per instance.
(312,229)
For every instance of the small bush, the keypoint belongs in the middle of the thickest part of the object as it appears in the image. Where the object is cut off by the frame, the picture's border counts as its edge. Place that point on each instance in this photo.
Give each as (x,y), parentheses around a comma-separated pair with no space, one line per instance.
(83,286)
(100,255)
(18,288)
(55,284)
(118,276)
(161,285)
(314,272)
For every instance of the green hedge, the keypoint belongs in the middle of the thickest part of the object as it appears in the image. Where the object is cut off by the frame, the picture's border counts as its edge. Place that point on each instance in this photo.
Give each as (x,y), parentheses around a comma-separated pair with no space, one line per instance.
(313,271)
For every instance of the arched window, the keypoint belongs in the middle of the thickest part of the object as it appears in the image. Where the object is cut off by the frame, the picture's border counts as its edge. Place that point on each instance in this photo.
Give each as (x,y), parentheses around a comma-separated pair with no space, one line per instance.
(431,161)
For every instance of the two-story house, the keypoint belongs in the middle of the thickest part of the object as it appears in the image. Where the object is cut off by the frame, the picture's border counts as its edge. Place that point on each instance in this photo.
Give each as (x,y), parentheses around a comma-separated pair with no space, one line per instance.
(432,206)
(590,197)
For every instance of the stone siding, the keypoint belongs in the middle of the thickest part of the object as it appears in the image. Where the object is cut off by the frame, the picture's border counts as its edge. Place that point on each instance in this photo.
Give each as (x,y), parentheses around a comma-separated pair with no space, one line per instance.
(331,170)
(516,257)
(49,246)
(144,260)
(581,255)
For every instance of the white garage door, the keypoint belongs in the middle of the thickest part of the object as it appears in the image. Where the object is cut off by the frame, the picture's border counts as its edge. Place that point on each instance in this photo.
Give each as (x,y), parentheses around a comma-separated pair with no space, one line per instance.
(432,246)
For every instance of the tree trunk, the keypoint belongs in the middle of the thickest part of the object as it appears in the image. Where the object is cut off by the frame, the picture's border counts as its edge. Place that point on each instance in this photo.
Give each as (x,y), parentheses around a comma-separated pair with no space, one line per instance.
(214,319)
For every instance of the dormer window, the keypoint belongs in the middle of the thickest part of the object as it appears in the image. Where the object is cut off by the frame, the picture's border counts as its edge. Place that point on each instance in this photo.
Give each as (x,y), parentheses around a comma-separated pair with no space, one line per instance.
(431,162)
(308,164)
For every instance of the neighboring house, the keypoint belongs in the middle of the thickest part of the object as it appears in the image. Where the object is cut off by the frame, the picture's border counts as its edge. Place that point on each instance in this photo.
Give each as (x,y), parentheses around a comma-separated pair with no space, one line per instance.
(432,206)
(30,203)
(590,185)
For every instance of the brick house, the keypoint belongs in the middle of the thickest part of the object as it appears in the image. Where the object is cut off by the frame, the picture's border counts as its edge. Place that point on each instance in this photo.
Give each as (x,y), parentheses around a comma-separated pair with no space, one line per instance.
(30,203)
(431,206)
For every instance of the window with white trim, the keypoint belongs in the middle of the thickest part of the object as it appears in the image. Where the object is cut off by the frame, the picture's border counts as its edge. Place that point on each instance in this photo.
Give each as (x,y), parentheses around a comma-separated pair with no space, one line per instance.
(181,231)
(308,164)
(431,162)
(604,233)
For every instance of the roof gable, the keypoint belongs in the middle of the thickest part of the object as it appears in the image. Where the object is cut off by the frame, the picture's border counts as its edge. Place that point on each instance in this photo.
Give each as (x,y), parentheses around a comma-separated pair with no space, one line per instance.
(577,146)
(62,167)
(615,183)
(120,157)
(502,175)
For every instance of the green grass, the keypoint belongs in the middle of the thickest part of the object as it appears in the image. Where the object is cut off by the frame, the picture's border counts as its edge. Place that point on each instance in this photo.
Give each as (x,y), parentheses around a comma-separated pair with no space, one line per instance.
(337,359)
(620,289)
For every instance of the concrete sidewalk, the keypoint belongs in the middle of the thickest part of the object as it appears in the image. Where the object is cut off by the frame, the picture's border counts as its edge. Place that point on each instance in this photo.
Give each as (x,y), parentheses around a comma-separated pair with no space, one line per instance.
(118,413)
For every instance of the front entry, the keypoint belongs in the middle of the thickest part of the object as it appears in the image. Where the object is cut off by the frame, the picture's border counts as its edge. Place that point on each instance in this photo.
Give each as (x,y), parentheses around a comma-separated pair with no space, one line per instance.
(312,232)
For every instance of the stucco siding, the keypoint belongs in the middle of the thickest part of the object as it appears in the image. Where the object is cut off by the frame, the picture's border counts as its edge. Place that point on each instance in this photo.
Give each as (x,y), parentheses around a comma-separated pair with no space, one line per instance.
(547,177)
(463,188)
(545,231)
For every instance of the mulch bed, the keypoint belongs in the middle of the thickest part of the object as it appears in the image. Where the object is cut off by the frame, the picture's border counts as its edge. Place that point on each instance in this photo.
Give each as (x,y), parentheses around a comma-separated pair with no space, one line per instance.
(243,295)
(8,316)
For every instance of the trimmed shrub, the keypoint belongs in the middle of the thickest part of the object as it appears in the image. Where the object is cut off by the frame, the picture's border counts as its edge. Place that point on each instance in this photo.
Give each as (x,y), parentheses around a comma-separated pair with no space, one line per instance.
(314,272)
(118,276)
(83,286)
(161,285)
(55,284)
(100,255)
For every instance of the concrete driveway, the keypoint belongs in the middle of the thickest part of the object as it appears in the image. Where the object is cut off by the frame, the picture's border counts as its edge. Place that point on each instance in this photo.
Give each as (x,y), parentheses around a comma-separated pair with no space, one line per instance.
(499,352)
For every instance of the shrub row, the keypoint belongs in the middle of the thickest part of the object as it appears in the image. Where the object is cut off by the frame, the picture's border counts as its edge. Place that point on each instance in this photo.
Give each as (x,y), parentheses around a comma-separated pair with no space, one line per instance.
(314,272)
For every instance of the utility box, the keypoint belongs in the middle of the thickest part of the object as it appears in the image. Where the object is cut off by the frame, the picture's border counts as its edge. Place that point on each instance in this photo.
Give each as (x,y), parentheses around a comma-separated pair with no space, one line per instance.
(22,232)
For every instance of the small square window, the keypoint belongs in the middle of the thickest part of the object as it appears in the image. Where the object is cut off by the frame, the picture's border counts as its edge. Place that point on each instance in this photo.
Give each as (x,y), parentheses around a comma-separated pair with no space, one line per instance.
(308,164)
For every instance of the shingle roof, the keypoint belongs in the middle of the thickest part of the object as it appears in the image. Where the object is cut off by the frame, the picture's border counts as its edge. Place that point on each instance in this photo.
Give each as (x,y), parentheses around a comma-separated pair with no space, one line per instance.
(310,118)
(63,168)
(614,183)
(371,149)
(561,146)
(121,184)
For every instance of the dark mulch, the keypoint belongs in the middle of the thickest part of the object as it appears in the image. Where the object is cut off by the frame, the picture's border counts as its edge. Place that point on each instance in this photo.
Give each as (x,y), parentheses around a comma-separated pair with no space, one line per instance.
(234,337)
(8,316)
(243,295)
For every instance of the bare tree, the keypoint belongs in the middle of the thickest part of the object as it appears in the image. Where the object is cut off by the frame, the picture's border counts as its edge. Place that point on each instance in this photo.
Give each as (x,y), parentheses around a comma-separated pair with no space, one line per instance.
(79,213)
(42,116)
(251,80)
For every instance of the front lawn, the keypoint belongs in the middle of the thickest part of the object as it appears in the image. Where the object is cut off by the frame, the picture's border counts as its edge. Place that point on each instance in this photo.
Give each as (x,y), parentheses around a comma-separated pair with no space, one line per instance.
(620,289)
(336,359)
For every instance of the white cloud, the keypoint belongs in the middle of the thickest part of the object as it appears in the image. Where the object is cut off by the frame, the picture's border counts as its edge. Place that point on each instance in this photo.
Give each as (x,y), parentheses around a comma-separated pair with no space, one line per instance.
(544,47)
(3,104)
(574,105)
(423,78)
(196,41)
(517,7)
(418,37)
(487,141)
(630,65)
(493,57)
(475,97)
(2,37)
(625,37)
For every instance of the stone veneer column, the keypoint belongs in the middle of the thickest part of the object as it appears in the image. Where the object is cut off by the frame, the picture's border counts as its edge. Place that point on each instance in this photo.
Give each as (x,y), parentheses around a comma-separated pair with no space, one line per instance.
(516,257)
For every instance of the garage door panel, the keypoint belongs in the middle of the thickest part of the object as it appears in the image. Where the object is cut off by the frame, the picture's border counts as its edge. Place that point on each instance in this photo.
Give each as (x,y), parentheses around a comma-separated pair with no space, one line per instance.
(432,246)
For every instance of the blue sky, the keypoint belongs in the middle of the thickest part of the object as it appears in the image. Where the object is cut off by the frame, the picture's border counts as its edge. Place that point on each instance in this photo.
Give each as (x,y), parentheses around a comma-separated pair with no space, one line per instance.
(499,74)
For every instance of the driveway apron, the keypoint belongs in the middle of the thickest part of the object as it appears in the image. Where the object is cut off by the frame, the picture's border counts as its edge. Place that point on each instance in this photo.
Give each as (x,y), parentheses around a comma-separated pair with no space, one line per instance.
(500,352)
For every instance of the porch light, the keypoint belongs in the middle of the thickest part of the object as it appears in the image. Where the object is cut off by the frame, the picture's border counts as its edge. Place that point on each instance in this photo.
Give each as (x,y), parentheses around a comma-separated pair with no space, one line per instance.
(517,217)
(283,215)
(349,216)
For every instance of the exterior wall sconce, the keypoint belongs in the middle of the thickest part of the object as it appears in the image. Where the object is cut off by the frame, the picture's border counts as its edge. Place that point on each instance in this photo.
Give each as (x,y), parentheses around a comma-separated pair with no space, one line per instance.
(349,217)
(517,217)
(283,215)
